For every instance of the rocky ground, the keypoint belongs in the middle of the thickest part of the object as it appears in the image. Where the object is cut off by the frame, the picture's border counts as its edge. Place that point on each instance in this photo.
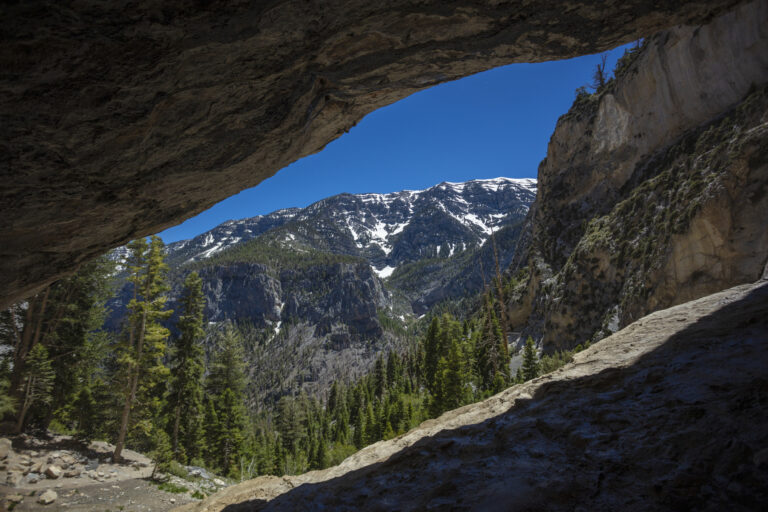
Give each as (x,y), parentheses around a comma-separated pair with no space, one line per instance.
(59,473)
(669,413)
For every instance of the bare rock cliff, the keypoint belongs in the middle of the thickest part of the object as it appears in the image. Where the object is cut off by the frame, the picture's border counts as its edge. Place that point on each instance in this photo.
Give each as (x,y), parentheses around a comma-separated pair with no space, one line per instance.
(653,189)
(650,418)
(119,119)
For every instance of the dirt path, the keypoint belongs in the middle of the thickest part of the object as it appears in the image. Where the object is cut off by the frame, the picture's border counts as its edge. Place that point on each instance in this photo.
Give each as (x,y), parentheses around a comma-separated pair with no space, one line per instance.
(133,495)
(82,475)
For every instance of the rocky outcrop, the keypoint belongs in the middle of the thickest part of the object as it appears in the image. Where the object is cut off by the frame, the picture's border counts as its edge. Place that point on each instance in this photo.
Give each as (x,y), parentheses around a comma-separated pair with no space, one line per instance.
(243,291)
(120,119)
(652,192)
(666,414)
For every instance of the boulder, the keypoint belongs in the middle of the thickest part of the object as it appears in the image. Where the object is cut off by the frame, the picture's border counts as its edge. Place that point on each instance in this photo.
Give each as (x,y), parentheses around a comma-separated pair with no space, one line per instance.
(14,478)
(15,498)
(17,466)
(72,473)
(53,472)
(5,447)
(47,497)
(33,478)
(67,460)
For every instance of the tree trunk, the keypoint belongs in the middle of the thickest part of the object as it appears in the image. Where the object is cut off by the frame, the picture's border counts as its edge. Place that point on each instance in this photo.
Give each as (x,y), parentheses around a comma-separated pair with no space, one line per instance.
(40,318)
(132,385)
(25,405)
(176,419)
(23,348)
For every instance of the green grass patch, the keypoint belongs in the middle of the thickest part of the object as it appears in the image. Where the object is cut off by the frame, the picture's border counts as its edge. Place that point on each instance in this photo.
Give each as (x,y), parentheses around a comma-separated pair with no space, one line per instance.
(172,488)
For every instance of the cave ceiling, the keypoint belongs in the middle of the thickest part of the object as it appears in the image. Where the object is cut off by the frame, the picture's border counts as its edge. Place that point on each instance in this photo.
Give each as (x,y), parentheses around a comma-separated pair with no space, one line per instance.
(120,119)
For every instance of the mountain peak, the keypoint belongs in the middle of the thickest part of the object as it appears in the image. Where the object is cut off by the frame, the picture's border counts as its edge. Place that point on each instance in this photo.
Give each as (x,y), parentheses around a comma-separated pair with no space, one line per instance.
(388,229)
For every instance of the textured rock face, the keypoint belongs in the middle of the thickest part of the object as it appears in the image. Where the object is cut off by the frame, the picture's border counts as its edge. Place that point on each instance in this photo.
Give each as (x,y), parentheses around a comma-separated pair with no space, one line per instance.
(650,418)
(120,119)
(242,291)
(652,192)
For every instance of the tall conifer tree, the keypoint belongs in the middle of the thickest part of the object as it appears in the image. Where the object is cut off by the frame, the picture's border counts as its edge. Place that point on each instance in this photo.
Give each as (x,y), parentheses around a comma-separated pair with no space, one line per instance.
(185,400)
(144,374)
(226,387)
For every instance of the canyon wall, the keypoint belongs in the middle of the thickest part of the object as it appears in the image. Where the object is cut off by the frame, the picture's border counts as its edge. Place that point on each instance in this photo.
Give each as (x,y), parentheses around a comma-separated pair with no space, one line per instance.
(653,189)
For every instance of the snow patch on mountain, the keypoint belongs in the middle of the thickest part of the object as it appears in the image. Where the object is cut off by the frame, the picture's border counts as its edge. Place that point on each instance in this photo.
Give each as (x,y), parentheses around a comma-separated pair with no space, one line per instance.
(384,272)
(377,223)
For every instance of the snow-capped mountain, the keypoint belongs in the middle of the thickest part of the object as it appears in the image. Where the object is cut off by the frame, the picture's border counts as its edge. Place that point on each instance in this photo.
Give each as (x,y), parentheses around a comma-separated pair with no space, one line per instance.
(226,235)
(386,229)
(308,282)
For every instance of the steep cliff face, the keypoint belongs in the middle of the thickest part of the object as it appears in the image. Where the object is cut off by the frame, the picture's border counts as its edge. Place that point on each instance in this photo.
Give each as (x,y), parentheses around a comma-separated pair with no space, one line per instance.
(303,327)
(321,295)
(653,189)
(120,119)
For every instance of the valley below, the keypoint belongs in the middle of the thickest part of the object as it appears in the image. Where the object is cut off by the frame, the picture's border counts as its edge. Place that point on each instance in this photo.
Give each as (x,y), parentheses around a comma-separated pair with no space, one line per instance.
(666,414)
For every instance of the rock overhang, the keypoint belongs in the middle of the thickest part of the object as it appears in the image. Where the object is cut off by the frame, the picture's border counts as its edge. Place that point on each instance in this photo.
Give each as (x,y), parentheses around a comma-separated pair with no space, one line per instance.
(122,119)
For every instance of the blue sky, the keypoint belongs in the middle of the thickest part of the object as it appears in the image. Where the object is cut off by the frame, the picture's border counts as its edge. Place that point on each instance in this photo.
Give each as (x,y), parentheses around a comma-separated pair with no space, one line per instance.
(495,123)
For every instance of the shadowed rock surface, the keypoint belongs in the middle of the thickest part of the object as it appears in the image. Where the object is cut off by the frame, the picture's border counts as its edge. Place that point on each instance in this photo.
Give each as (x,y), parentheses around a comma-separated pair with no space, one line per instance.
(667,414)
(120,119)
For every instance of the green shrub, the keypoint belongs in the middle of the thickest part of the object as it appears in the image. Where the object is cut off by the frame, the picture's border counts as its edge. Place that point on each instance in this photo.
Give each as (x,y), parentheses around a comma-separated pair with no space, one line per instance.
(172,488)
(176,469)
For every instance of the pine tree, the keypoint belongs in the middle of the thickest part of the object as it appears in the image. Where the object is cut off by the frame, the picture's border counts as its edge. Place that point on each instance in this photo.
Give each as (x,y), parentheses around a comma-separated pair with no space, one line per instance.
(144,374)
(491,354)
(453,380)
(600,76)
(226,387)
(212,433)
(7,402)
(228,366)
(279,469)
(394,371)
(86,414)
(334,399)
(531,368)
(359,437)
(185,400)
(379,378)
(431,353)
(36,384)
(320,456)
(161,452)
(341,427)
(231,416)
(76,340)
(371,425)
(66,318)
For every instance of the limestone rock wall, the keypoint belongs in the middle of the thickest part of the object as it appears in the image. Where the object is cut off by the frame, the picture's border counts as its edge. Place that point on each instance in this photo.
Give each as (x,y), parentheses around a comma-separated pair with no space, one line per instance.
(119,119)
(653,191)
